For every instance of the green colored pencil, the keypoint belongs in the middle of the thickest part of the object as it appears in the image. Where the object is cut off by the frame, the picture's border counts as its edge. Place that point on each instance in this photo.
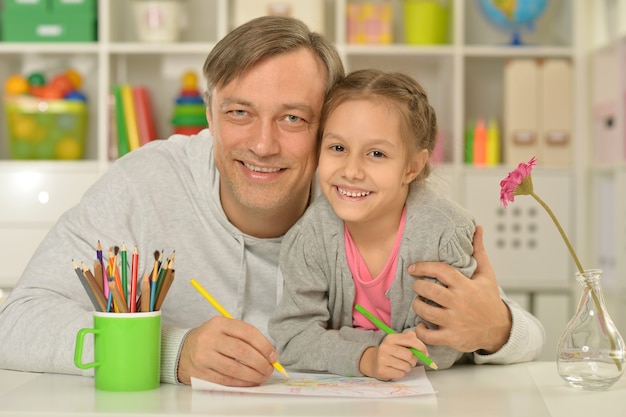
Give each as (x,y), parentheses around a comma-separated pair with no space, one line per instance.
(382,326)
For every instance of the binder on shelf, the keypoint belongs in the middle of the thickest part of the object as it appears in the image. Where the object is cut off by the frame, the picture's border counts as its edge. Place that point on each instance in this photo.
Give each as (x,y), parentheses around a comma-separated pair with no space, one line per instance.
(608,98)
(493,143)
(112,127)
(555,105)
(480,143)
(468,148)
(521,124)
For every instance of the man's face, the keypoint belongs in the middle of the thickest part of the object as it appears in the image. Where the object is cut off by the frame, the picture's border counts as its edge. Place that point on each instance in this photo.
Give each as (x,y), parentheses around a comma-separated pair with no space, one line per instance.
(264,124)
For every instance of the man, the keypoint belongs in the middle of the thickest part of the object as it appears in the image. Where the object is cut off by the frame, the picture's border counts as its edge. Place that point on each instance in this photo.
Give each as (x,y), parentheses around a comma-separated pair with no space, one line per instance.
(222,200)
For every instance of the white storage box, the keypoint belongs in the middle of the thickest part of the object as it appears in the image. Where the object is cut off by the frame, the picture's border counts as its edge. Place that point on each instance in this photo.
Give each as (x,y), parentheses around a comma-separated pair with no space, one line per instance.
(310,12)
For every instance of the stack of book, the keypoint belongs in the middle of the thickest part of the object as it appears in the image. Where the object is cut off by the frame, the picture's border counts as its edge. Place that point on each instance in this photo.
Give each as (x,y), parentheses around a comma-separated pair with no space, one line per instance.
(132,120)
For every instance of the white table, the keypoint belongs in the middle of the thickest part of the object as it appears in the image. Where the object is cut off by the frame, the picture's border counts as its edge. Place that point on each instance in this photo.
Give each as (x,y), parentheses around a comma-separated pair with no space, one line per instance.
(526,390)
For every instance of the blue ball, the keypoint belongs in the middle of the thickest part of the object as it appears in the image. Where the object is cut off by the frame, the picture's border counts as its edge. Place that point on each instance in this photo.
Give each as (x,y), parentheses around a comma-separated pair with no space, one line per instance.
(75,95)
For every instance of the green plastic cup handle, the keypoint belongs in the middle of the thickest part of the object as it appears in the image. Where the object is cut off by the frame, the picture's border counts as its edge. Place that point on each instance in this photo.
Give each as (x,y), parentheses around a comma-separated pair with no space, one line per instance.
(78,351)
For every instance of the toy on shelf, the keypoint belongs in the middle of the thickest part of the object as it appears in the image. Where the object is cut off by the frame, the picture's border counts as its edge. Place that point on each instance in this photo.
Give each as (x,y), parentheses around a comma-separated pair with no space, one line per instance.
(513,15)
(189,111)
(46,119)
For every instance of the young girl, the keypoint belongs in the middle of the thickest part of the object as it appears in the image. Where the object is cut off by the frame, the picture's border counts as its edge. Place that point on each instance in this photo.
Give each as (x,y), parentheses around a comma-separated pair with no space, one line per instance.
(353,246)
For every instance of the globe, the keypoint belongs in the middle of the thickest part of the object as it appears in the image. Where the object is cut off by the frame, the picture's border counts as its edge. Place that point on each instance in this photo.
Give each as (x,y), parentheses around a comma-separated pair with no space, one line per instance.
(513,15)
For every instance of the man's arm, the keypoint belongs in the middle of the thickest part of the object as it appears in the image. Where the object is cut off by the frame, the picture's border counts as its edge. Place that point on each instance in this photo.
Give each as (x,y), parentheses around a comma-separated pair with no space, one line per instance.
(473,316)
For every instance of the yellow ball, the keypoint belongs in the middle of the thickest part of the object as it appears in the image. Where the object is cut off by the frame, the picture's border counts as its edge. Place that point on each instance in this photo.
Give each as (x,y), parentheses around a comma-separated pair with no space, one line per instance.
(69,148)
(23,126)
(75,78)
(16,84)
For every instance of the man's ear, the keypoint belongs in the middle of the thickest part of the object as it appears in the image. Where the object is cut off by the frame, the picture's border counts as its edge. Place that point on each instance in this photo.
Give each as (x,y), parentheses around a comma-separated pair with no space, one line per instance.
(209,119)
(416,165)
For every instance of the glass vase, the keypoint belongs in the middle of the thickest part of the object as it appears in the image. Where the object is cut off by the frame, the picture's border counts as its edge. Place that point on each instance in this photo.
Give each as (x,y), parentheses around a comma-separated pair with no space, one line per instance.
(590,353)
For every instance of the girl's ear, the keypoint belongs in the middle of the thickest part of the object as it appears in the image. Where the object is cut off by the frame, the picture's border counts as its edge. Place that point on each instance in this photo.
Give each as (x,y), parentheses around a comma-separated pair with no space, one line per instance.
(416,165)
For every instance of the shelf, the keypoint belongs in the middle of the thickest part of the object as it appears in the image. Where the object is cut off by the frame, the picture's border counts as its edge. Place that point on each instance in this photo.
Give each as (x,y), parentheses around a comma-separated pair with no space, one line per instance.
(463,78)
(399,50)
(140,48)
(49,48)
(514,52)
(443,69)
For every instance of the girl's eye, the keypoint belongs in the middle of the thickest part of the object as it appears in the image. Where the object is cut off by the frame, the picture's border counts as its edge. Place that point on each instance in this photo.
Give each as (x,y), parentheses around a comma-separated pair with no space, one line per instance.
(377,154)
(337,148)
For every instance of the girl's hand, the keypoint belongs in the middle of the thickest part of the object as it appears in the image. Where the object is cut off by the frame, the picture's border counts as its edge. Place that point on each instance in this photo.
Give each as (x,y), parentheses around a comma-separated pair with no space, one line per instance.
(392,359)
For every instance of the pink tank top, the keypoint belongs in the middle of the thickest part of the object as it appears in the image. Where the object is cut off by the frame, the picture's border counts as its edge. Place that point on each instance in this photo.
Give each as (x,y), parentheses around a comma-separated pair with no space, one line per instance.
(370,291)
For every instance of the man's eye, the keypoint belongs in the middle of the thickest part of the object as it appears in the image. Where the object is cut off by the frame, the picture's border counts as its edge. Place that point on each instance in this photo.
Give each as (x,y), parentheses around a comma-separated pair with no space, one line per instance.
(239,113)
(293,119)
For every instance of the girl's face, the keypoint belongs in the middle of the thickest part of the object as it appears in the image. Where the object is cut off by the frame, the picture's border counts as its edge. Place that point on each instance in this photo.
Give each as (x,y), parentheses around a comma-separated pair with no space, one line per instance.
(365,166)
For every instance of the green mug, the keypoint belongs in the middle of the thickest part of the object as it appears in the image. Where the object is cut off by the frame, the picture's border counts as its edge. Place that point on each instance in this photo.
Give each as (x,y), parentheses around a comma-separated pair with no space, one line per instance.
(127,350)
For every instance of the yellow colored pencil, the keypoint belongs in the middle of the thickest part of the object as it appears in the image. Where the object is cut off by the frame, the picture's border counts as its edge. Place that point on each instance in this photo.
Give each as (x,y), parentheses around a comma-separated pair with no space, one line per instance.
(225,313)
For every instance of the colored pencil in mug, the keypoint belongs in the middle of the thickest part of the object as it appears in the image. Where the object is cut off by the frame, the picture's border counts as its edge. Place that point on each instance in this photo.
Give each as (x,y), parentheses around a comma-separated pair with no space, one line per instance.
(124,272)
(382,326)
(84,281)
(133,280)
(225,313)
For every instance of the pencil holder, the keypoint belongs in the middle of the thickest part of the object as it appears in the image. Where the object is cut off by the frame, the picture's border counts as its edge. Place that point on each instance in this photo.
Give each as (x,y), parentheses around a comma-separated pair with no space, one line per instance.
(127,350)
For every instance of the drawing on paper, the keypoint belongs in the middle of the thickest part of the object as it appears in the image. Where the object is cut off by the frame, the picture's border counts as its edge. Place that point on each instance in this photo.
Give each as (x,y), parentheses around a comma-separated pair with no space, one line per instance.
(415,383)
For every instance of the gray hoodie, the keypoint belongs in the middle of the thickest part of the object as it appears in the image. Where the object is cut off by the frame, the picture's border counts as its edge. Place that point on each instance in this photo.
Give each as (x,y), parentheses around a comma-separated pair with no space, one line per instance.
(163,196)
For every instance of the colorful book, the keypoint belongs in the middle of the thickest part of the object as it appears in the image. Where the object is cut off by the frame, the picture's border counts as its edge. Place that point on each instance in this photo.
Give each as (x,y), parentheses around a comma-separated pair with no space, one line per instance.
(143,112)
(130,116)
(123,146)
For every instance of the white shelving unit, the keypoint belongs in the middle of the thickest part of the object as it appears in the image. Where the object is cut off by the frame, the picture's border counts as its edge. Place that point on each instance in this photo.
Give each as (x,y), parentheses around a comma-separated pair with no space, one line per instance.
(464,79)
(607,154)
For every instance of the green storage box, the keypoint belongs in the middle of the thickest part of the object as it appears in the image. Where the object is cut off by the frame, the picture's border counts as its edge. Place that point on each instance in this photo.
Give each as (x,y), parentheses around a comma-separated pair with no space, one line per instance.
(74,6)
(46,129)
(19,26)
(27,5)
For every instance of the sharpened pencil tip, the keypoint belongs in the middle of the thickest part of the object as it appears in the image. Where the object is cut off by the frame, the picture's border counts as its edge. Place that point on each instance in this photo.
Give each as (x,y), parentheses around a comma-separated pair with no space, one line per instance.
(280,369)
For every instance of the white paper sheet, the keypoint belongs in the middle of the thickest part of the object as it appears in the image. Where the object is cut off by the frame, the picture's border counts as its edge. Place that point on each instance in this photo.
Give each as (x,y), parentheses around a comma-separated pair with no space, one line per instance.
(328,385)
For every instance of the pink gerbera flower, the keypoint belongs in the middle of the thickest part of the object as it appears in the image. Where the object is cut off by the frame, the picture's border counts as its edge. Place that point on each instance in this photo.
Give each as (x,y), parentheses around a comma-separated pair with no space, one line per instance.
(519,182)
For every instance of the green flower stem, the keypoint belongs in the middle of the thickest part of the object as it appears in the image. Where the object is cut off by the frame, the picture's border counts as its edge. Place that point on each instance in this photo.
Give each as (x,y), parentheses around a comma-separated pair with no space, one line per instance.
(596,300)
(561,231)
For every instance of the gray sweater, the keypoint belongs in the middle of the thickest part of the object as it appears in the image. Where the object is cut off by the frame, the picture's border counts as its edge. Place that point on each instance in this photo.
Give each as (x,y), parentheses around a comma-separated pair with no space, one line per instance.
(163,196)
(312,325)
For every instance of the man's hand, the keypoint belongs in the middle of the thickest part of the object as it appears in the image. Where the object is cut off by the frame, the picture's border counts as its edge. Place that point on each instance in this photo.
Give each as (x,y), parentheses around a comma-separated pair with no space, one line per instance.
(472,315)
(227,352)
